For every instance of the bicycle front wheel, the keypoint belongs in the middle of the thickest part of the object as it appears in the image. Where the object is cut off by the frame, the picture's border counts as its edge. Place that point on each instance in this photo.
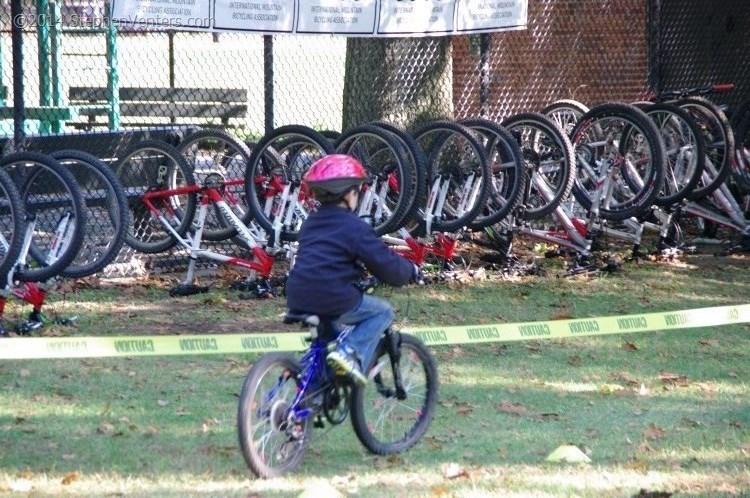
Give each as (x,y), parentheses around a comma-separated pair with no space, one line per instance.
(273,179)
(215,153)
(54,203)
(272,442)
(107,213)
(459,176)
(12,224)
(383,423)
(150,166)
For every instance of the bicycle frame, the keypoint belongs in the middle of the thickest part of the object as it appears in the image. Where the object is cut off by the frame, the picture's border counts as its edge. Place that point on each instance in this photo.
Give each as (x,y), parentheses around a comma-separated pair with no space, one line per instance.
(31,292)
(262,261)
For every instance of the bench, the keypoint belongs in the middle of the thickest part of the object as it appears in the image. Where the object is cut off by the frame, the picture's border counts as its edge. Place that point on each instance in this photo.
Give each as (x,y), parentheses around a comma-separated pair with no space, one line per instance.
(207,104)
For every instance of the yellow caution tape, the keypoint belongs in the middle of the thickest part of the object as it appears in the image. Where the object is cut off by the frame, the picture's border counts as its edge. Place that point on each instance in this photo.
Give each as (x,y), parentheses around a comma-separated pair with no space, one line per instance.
(91,347)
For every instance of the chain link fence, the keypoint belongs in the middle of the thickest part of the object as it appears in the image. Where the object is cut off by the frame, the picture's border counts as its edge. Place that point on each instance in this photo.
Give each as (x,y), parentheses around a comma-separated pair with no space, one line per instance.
(92,86)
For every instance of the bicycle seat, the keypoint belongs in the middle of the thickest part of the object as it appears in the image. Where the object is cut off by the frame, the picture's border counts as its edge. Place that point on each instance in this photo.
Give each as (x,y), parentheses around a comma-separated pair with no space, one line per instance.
(325,325)
(308,318)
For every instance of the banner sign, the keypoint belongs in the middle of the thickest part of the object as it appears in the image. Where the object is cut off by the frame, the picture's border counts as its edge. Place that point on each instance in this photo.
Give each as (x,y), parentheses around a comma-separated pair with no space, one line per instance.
(92,347)
(339,17)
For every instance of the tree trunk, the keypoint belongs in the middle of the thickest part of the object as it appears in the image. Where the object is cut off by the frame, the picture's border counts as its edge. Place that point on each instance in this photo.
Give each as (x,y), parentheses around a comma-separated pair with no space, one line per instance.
(406,81)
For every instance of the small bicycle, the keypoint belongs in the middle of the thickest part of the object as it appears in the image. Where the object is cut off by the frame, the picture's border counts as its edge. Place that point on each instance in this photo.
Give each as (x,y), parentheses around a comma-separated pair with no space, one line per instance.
(283,398)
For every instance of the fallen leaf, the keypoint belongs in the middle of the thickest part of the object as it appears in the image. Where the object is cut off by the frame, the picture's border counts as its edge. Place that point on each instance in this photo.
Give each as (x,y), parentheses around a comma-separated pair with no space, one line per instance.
(24,373)
(652,494)
(453,471)
(105,428)
(653,432)
(69,478)
(575,360)
(464,410)
(68,456)
(708,342)
(512,408)
(629,346)
(626,378)
(691,423)
(673,378)
(162,402)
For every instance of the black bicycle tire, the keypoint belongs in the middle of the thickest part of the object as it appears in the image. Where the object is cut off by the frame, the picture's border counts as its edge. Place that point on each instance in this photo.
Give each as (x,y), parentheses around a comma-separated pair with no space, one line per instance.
(684,116)
(345,145)
(445,129)
(741,170)
(723,170)
(228,231)
(541,122)
(643,199)
(250,385)
(311,137)
(499,204)
(115,196)
(77,206)
(359,422)
(186,213)
(419,165)
(16,226)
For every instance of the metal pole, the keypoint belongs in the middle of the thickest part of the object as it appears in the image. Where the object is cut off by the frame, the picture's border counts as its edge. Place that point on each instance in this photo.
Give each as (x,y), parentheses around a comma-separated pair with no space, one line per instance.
(170,37)
(16,15)
(268,81)
(42,36)
(113,77)
(484,75)
(56,59)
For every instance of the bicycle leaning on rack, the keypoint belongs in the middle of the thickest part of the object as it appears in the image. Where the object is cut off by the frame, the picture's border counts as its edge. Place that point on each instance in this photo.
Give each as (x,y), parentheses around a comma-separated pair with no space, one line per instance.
(283,398)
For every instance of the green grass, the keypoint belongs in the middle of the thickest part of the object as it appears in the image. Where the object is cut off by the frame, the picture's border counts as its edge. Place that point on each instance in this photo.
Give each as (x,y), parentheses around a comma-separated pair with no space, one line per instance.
(662,411)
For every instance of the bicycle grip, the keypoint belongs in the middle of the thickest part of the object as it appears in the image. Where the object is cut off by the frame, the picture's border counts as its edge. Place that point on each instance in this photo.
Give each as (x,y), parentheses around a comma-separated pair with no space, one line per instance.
(723,87)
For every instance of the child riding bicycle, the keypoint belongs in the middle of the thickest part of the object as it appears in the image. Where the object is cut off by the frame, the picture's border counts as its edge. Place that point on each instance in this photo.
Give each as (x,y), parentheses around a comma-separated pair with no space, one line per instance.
(335,248)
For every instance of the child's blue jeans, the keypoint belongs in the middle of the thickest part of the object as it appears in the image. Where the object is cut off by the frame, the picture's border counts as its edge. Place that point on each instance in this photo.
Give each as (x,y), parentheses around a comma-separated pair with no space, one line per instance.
(371,317)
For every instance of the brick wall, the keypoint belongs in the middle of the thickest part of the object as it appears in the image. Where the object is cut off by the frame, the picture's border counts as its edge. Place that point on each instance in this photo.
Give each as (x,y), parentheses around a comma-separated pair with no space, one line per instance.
(589,50)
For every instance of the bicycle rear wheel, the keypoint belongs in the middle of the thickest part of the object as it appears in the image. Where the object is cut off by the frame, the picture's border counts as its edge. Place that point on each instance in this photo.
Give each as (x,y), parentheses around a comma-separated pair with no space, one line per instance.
(53,199)
(741,170)
(459,176)
(506,169)
(383,423)
(273,179)
(719,144)
(685,151)
(618,149)
(214,152)
(12,226)
(418,164)
(148,166)
(549,159)
(271,443)
(107,213)
(388,195)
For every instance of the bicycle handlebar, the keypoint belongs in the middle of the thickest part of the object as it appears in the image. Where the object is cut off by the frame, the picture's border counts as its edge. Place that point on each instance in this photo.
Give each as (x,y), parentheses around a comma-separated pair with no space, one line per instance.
(700,90)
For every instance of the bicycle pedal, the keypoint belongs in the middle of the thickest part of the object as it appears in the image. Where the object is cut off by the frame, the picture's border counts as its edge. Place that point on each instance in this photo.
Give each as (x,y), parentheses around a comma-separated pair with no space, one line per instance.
(242,285)
(188,290)
(66,321)
(318,424)
(27,327)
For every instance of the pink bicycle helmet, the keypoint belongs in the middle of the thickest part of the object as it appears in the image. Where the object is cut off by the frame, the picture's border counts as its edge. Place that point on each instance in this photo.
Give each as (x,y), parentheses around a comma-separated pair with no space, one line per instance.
(334,174)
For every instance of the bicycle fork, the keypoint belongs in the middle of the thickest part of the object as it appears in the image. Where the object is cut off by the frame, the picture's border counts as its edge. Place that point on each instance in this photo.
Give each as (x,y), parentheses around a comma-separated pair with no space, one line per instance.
(393,347)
